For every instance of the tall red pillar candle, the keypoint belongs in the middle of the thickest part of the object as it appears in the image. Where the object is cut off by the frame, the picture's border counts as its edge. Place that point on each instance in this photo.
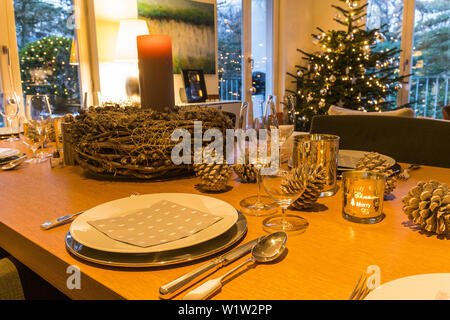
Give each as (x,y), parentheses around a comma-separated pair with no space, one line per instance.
(156,72)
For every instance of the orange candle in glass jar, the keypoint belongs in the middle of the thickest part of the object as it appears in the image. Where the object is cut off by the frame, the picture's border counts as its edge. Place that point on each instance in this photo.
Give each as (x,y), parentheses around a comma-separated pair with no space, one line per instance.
(156,72)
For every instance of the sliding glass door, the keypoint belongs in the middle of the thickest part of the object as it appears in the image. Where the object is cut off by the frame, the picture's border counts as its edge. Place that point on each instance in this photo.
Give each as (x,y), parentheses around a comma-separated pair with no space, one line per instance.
(245,29)
(421,28)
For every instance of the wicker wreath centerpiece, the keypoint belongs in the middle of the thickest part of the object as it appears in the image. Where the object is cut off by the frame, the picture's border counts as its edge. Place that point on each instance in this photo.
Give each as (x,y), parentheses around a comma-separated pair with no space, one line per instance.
(130,142)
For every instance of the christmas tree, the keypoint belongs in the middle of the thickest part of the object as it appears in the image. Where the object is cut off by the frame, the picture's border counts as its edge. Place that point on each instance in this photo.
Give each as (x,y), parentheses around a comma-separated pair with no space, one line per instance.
(347,71)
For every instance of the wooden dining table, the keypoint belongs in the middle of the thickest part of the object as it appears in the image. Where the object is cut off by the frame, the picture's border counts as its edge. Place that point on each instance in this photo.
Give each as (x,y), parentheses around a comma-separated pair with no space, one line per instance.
(325,262)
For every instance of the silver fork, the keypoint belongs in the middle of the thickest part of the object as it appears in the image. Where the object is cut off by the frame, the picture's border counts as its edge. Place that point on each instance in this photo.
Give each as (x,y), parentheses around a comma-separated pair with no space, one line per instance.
(405,174)
(62,220)
(361,289)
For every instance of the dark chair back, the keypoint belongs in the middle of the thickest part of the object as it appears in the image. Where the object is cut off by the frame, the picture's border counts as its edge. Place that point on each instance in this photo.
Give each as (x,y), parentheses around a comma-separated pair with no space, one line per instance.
(446,112)
(409,140)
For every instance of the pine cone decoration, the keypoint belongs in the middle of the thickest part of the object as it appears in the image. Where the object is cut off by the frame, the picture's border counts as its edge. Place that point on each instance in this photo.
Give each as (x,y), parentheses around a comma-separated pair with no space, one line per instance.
(316,182)
(246,172)
(214,177)
(428,206)
(374,162)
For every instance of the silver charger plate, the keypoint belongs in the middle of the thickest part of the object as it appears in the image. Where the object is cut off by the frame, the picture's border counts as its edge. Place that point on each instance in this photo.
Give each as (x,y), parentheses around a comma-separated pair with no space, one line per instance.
(141,260)
(9,159)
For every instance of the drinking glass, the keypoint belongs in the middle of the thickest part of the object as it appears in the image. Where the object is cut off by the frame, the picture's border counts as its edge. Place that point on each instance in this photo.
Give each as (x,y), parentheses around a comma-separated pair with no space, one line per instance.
(39,120)
(258,205)
(9,109)
(320,150)
(270,119)
(285,186)
(30,138)
(287,122)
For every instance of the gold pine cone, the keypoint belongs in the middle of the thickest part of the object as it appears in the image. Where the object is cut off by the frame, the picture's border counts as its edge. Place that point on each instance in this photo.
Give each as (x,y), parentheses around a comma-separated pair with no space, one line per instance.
(316,182)
(428,206)
(374,162)
(214,177)
(246,172)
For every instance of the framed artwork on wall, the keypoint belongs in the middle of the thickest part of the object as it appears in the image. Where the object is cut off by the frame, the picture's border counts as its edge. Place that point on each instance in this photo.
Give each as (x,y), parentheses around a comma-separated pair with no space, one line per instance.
(194,83)
(192,26)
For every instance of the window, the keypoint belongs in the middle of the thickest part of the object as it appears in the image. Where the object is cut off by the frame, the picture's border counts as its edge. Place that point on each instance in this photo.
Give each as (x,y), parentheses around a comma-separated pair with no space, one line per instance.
(245,42)
(48,56)
(430,57)
(229,30)
(426,55)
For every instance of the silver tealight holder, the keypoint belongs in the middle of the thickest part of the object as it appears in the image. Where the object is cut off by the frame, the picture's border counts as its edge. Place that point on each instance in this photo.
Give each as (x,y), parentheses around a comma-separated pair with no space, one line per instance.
(320,150)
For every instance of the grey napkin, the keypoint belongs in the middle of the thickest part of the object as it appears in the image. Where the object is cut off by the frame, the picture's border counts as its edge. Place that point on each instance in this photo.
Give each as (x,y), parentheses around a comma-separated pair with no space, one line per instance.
(158,224)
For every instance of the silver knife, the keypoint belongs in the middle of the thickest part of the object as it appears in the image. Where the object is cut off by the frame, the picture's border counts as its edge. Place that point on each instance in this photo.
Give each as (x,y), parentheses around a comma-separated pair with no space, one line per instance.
(59,221)
(180,284)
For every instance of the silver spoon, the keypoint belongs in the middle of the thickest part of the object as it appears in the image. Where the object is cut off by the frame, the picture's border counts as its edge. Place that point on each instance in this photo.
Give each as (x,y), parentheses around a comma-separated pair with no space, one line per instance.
(13,164)
(267,249)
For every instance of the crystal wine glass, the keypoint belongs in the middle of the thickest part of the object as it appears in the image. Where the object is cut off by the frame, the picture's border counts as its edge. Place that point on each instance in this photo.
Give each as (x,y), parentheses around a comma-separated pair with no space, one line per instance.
(9,109)
(285,186)
(258,205)
(39,120)
(287,121)
(29,138)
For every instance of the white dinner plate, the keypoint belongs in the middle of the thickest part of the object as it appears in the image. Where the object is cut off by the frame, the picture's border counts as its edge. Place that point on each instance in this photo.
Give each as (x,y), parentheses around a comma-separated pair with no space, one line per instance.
(422,287)
(348,159)
(8,153)
(87,235)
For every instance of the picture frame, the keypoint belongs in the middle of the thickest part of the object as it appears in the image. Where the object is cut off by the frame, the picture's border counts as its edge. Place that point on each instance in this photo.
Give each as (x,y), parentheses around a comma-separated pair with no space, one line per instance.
(194,84)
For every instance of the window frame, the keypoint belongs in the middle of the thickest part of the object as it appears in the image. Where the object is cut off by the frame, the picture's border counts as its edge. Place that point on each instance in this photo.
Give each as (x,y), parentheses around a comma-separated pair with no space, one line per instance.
(85,37)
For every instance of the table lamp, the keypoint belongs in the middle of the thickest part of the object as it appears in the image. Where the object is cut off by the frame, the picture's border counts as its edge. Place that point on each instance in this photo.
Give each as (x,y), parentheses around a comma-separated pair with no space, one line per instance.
(126,51)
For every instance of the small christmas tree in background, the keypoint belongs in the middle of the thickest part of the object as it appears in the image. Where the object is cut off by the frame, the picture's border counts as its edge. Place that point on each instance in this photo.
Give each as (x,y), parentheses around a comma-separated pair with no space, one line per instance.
(46,69)
(346,72)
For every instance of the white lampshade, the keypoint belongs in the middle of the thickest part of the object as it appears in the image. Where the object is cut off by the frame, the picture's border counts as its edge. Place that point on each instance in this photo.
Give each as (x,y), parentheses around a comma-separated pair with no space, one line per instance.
(126,47)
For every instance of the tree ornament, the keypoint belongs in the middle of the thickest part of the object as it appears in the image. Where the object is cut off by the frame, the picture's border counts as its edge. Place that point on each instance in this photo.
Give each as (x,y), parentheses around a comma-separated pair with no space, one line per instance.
(332,78)
(322,103)
(317,178)
(428,206)
(299,73)
(323,91)
(375,162)
(398,86)
(350,36)
(380,37)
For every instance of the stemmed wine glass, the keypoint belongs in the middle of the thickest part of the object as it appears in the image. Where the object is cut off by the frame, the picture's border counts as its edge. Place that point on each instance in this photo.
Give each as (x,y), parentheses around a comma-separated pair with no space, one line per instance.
(282,120)
(38,116)
(285,186)
(29,138)
(9,109)
(258,205)
(287,122)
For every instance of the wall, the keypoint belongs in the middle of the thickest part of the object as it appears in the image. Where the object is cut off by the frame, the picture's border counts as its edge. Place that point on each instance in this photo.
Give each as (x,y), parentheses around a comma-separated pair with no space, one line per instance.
(297,21)
(108,14)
